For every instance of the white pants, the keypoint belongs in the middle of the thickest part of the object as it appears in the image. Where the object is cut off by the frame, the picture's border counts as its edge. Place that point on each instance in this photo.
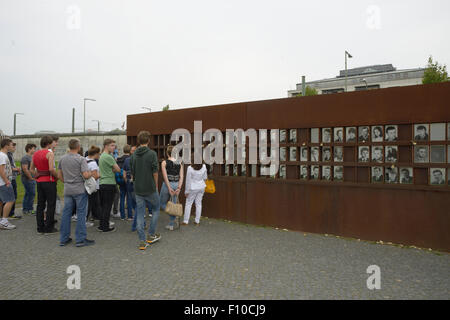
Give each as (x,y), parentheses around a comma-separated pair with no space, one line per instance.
(196,196)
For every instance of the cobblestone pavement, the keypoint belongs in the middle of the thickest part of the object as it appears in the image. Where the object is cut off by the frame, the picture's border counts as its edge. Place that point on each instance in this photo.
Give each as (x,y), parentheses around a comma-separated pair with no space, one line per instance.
(216,260)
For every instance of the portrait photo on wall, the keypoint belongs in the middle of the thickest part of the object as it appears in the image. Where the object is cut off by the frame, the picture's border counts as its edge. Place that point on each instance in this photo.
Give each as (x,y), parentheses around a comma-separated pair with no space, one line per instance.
(437,131)
(421,132)
(363,154)
(326,135)
(391,154)
(315,172)
(377,174)
(339,134)
(391,132)
(243,170)
(315,154)
(283,135)
(326,154)
(406,175)
(437,154)
(283,154)
(363,134)
(421,154)
(377,133)
(283,171)
(326,173)
(235,170)
(304,154)
(314,135)
(391,175)
(292,154)
(338,173)
(227,170)
(350,134)
(437,176)
(377,154)
(293,135)
(338,154)
(303,172)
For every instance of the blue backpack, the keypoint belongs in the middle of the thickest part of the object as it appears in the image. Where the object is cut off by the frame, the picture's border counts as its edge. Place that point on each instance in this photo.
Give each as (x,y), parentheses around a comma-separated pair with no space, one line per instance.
(119,178)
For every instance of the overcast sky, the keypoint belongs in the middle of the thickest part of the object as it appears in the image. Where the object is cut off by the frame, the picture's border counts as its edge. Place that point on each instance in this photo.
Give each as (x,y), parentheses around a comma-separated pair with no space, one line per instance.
(130,54)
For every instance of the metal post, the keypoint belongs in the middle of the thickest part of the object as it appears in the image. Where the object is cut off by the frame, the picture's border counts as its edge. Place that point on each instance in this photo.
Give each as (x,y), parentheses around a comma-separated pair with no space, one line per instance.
(73,120)
(84,115)
(14,124)
(345,71)
(303,86)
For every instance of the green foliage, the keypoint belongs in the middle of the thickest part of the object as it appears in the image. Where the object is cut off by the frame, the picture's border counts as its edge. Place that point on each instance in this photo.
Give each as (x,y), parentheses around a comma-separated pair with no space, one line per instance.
(308,92)
(165,108)
(434,72)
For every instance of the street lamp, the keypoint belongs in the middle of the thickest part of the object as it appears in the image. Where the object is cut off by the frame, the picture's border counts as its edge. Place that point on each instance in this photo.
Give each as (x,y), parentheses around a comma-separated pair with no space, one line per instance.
(98,125)
(84,113)
(15,116)
(365,81)
(349,56)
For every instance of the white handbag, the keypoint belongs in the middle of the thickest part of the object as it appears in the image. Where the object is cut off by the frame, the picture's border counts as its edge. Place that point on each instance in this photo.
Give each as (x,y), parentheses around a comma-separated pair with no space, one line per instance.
(90,185)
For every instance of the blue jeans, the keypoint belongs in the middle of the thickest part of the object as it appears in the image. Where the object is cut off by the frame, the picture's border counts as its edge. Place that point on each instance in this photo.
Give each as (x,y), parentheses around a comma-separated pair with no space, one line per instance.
(30,193)
(141,202)
(80,201)
(124,194)
(131,199)
(164,196)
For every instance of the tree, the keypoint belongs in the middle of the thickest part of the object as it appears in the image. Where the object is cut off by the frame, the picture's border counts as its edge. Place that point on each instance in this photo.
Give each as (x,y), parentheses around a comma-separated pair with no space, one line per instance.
(308,92)
(165,108)
(434,72)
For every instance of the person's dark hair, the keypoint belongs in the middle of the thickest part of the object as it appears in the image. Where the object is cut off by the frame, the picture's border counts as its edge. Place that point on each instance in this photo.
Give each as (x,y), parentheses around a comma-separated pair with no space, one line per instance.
(406,171)
(126,148)
(74,144)
(108,141)
(390,128)
(143,137)
(29,146)
(46,140)
(55,137)
(169,151)
(438,171)
(197,166)
(5,142)
(422,128)
(352,130)
(93,150)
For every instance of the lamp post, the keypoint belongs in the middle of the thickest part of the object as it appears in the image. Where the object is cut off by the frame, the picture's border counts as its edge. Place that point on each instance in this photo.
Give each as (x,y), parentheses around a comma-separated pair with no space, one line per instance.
(84,112)
(365,81)
(15,117)
(349,56)
(98,125)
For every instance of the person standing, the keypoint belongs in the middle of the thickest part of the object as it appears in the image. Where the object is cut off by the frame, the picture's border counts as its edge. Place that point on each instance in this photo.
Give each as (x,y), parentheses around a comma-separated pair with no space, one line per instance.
(7,198)
(195,188)
(29,183)
(16,172)
(73,169)
(122,183)
(173,181)
(115,212)
(144,170)
(43,168)
(108,167)
(94,210)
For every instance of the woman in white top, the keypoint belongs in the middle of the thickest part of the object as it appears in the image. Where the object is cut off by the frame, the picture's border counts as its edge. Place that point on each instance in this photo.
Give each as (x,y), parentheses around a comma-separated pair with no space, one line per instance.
(195,188)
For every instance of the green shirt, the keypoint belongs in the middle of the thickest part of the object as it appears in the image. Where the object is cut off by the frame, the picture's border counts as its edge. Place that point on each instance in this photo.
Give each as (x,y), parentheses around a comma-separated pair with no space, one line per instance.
(106,163)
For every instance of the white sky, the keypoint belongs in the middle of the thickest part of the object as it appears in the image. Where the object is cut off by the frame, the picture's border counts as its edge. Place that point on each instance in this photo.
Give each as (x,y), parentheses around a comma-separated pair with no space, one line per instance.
(130,54)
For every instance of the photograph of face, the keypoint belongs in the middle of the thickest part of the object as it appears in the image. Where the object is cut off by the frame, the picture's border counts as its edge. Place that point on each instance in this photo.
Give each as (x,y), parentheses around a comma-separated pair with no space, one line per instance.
(338,154)
(283,135)
(227,170)
(437,154)
(350,134)
(377,154)
(339,134)
(391,154)
(377,134)
(315,172)
(235,172)
(283,171)
(304,154)
(338,173)
(315,154)
(293,154)
(437,176)
(363,133)
(326,135)
(377,174)
(437,132)
(326,173)
(406,175)
(315,135)
(421,132)
(391,133)
(293,135)
(391,175)
(326,153)
(421,154)
(303,172)
(363,154)
(283,154)
(243,170)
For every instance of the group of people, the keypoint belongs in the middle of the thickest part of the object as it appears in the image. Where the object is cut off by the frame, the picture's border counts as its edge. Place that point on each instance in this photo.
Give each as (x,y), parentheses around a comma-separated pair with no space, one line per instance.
(92,182)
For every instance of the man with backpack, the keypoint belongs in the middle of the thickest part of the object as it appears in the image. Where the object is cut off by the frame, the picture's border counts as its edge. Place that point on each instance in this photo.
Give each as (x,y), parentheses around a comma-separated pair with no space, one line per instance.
(122,183)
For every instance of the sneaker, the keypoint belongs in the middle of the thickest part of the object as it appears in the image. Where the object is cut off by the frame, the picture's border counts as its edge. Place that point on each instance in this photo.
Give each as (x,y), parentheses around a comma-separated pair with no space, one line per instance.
(110,230)
(169,227)
(129,219)
(152,239)
(7,226)
(15,217)
(32,212)
(143,245)
(85,243)
(53,231)
(111,223)
(196,224)
(89,224)
(62,244)
(74,218)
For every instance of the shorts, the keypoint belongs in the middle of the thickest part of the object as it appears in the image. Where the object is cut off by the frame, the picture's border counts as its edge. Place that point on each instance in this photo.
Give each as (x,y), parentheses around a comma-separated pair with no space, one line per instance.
(7,194)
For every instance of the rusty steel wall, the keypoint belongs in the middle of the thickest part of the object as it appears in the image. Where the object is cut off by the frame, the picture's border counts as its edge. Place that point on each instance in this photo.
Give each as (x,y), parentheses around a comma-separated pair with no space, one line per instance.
(417,214)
